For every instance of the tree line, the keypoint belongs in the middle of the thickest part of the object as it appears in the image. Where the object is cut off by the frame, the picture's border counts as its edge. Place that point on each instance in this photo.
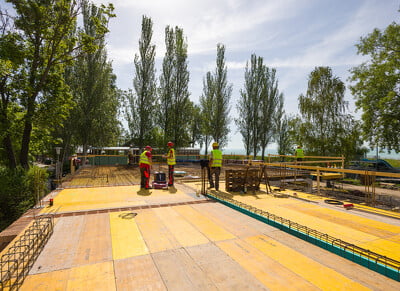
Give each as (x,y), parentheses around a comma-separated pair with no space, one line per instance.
(58,89)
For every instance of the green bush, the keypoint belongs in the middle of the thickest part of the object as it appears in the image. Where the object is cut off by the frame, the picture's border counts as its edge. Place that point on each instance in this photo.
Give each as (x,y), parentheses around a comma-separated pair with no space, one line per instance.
(19,191)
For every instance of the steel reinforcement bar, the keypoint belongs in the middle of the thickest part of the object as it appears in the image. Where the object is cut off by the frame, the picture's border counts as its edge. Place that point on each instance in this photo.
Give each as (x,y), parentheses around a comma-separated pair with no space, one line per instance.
(374,261)
(20,257)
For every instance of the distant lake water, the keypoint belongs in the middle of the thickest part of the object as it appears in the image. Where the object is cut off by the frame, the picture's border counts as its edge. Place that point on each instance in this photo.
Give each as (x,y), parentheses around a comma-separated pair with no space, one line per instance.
(370,154)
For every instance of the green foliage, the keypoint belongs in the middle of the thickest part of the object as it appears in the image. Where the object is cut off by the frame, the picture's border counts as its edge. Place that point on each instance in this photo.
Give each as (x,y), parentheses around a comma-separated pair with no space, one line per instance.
(174,102)
(206,105)
(377,87)
(257,106)
(39,45)
(19,190)
(282,130)
(141,104)
(324,128)
(215,102)
(93,119)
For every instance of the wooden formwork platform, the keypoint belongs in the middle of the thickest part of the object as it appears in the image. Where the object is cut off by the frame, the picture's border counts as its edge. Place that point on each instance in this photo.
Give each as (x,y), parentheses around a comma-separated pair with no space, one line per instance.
(204,246)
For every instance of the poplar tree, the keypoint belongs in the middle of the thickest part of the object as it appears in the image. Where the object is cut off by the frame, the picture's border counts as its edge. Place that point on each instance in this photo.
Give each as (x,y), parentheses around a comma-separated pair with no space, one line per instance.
(206,105)
(269,99)
(220,120)
(282,132)
(94,119)
(174,92)
(180,96)
(165,92)
(140,113)
(248,105)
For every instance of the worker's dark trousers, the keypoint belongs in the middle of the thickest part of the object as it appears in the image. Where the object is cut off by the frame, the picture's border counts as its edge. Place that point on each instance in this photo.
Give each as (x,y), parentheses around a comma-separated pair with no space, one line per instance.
(170,175)
(215,171)
(144,177)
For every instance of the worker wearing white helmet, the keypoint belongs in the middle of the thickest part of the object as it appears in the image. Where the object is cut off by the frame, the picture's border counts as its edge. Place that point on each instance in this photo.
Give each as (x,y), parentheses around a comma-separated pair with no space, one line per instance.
(215,165)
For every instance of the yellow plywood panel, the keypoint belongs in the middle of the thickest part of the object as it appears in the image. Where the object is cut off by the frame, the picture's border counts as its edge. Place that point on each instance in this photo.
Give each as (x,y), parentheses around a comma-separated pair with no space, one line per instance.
(80,199)
(180,272)
(272,274)
(95,240)
(213,231)
(222,269)
(231,220)
(60,250)
(56,280)
(157,236)
(92,277)
(126,238)
(319,275)
(374,227)
(137,273)
(332,228)
(185,233)
(383,247)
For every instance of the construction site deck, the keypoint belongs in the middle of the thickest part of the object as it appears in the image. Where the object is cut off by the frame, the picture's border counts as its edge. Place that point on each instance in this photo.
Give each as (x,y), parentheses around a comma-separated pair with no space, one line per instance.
(103,232)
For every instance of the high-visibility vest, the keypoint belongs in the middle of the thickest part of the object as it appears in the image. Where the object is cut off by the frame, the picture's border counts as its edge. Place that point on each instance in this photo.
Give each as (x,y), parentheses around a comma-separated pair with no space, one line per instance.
(171,160)
(299,153)
(216,156)
(144,159)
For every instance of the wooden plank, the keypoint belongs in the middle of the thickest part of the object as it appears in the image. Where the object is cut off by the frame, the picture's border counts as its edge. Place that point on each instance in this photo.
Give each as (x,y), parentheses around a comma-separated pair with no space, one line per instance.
(156,235)
(317,274)
(180,272)
(137,273)
(272,274)
(61,247)
(222,269)
(56,280)
(353,271)
(185,233)
(127,240)
(233,221)
(92,277)
(95,240)
(370,226)
(209,228)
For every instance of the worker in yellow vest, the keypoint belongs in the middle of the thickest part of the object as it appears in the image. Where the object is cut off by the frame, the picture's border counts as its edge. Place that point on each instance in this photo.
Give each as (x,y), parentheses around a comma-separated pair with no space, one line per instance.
(215,165)
(171,161)
(145,163)
(299,153)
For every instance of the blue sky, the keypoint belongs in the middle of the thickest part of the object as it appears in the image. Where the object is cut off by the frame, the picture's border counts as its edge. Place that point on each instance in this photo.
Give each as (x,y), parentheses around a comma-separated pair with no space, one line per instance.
(292,36)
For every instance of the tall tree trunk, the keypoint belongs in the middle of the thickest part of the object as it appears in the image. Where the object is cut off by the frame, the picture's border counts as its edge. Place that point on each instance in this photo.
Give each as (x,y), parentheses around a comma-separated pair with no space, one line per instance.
(26,138)
(12,163)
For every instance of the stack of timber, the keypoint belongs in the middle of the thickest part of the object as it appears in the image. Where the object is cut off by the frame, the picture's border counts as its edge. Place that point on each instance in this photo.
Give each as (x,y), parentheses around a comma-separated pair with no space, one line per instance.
(242,180)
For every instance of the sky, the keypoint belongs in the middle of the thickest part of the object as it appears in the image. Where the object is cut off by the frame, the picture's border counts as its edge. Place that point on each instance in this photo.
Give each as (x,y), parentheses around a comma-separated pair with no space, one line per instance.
(293,36)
